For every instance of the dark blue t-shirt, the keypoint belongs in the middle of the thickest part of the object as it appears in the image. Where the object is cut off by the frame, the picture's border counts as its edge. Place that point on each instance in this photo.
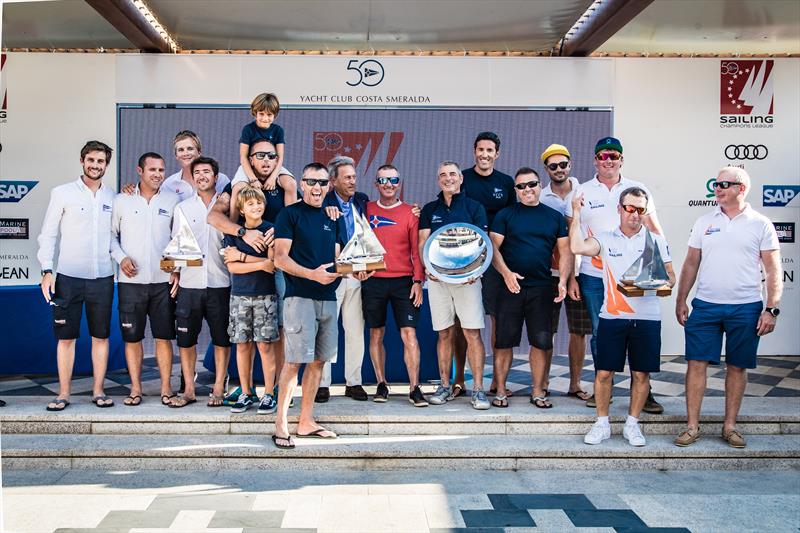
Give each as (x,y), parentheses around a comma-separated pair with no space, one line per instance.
(494,192)
(257,283)
(252,133)
(530,235)
(314,237)
(461,209)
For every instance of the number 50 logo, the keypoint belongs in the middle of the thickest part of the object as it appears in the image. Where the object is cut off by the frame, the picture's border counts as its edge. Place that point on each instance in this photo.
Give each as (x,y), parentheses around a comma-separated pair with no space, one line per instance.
(369,72)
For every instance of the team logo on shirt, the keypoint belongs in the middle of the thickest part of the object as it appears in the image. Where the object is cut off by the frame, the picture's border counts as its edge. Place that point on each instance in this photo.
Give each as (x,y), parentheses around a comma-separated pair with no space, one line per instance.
(613,252)
(163,212)
(498,193)
(378,221)
(711,230)
(106,208)
(595,205)
(435,219)
(326,227)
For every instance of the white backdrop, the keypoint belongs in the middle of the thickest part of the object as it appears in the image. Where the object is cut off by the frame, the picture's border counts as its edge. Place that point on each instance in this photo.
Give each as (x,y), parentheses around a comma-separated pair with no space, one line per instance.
(666,112)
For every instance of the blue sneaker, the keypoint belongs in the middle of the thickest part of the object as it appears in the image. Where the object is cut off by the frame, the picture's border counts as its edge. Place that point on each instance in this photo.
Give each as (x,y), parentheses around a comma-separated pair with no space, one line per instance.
(268,405)
(233,397)
(244,403)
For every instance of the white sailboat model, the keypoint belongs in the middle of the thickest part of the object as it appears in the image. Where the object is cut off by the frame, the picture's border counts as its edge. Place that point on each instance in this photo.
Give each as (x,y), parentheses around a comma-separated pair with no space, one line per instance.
(647,276)
(363,252)
(183,249)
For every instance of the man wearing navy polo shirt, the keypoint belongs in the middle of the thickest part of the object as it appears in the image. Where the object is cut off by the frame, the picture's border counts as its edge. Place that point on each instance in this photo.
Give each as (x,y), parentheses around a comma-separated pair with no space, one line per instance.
(524,237)
(307,242)
(494,190)
(448,300)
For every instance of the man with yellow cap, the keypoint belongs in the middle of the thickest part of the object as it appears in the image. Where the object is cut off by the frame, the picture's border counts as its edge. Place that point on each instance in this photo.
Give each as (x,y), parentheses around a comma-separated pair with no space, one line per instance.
(557,164)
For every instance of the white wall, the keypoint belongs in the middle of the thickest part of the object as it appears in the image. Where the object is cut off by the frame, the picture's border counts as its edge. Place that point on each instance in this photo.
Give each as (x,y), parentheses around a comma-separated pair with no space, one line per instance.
(666,113)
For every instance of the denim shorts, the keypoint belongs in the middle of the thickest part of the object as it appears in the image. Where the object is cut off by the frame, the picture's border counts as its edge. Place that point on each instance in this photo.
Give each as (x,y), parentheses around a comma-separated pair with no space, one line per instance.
(708,322)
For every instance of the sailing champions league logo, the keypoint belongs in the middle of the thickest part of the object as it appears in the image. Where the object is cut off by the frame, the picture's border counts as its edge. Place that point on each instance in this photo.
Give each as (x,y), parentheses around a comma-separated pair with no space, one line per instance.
(3,90)
(747,94)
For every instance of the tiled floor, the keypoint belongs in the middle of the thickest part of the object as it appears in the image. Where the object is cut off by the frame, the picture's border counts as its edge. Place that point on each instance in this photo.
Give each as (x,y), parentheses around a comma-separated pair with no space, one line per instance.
(354,502)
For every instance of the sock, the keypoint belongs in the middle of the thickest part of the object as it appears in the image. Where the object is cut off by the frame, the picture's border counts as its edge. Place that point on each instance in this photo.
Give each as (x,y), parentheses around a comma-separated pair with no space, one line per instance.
(631,421)
(603,420)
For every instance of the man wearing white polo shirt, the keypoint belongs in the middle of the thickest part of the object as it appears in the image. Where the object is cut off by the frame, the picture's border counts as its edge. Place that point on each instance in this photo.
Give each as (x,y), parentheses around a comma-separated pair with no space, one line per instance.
(187,147)
(80,214)
(727,250)
(141,225)
(601,196)
(629,328)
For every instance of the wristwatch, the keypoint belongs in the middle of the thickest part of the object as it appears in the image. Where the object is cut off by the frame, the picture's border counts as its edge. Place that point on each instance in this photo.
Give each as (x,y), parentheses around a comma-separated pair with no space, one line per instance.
(241,231)
(419,281)
(774,311)
(46,271)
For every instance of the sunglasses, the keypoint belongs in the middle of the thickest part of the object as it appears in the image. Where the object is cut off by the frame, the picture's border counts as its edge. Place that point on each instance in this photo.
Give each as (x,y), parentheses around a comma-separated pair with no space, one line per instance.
(394,180)
(311,182)
(527,185)
(605,156)
(262,155)
(634,209)
(562,165)
(724,184)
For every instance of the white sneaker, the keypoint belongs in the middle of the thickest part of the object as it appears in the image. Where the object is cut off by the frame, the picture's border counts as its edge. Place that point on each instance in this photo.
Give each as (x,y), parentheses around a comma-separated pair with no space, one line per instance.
(598,433)
(633,433)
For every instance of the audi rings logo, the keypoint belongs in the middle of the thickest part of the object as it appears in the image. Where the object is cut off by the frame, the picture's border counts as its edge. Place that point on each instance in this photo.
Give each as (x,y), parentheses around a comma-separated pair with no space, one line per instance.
(746,151)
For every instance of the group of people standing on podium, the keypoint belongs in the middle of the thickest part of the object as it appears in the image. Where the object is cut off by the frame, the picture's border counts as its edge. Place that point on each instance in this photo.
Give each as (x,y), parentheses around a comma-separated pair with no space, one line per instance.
(267,282)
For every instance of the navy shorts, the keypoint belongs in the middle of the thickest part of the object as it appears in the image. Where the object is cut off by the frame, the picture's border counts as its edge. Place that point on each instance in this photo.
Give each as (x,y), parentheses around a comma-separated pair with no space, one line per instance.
(378,293)
(638,341)
(491,285)
(71,296)
(193,306)
(708,322)
(139,301)
(531,306)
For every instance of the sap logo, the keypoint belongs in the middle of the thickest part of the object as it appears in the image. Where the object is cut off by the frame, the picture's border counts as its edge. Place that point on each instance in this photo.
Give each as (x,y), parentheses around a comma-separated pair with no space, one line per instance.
(14,191)
(779,195)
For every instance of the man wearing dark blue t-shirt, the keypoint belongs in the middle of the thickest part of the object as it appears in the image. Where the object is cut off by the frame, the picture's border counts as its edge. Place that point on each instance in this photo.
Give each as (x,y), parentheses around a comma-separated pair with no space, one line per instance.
(524,237)
(494,190)
(307,242)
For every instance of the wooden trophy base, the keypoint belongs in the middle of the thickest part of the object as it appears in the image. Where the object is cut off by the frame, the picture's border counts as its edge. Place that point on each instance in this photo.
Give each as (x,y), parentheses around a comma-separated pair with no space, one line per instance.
(349,268)
(635,292)
(175,263)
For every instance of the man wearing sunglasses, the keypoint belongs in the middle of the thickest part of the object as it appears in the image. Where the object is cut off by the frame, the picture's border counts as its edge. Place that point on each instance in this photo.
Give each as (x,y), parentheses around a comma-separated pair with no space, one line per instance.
(557,164)
(629,328)
(397,229)
(343,201)
(728,248)
(600,198)
(307,242)
(524,237)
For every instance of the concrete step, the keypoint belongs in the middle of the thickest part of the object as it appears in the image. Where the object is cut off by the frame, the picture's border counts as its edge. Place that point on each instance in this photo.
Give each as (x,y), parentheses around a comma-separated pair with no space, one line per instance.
(399,452)
(26,415)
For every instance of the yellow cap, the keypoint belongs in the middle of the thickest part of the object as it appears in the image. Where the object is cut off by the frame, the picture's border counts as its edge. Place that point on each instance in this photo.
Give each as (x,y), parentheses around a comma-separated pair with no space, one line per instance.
(555,149)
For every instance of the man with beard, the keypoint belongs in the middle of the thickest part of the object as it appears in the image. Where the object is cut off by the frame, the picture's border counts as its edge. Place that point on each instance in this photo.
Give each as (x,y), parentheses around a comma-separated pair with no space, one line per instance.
(79,213)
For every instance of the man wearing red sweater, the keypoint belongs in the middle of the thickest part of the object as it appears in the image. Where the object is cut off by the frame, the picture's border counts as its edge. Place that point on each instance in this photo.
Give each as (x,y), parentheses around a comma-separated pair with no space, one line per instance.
(400,284)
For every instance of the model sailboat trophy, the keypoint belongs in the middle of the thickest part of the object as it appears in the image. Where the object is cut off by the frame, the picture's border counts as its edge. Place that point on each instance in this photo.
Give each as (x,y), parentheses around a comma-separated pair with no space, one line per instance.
(647,276)
(363,252)
(183,249)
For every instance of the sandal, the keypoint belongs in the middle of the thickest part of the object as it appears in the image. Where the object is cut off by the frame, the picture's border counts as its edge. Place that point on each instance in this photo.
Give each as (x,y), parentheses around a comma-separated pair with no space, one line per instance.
(500,401)
(182,401)
(541,402)
(582,395)
(132,401)
(166,399)
(320,433)
(456,391)
(103,401)
(59,404)
(286,443)
(509,392)
(214,400)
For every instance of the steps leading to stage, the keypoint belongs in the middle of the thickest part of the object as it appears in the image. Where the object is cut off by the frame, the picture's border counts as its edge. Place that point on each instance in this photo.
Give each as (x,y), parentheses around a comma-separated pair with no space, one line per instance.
(26,415)
(495,452)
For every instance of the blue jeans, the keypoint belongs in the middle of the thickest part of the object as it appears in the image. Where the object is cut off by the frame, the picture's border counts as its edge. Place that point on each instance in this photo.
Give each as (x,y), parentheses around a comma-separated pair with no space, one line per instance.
(592,293)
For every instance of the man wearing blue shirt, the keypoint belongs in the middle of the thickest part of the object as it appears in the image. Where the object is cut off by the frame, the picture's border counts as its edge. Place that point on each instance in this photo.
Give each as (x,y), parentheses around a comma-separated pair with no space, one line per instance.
(448,300)
(307,242)
(524,237)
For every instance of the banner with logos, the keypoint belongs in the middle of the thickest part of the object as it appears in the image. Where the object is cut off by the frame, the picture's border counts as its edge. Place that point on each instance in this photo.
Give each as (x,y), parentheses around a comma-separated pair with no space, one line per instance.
(679,120)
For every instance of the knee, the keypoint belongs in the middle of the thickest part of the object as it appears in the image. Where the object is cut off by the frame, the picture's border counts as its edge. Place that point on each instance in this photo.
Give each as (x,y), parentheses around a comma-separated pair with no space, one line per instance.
(640,378)
(472,335)
(446,334)
(408,336)
(604,376)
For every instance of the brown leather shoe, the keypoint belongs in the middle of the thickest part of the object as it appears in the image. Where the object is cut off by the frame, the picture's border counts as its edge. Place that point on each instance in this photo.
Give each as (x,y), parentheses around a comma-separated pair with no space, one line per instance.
(733,438)
(687,437)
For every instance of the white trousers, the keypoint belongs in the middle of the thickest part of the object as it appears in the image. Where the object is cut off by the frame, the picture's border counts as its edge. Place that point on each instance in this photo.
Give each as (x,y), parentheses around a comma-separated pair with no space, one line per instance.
(348,306)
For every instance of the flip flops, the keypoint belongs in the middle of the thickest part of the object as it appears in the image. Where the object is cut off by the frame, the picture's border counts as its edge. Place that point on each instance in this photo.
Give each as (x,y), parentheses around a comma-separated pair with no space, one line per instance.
(500,401)
(59,404)
(103,401)
(541,402)
(182,401)
(582,395)
(166,399)
(214,400)
(318,434)
(132,401)
(286,443)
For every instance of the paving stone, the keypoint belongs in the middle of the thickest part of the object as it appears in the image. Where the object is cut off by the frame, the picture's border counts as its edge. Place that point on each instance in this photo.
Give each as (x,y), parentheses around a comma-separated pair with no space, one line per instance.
(261,519)
(498,518)
(162,518)
(540,501)
(206,502)
(604,518)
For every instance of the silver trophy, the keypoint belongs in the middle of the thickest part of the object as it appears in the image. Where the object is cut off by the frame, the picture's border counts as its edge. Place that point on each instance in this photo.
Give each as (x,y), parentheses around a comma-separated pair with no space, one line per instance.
(183,249)
(647,276)
(457,253)
(363,252)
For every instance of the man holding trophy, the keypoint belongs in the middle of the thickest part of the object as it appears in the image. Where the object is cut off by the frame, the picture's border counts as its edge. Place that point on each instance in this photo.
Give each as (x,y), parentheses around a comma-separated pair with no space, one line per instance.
(629,326)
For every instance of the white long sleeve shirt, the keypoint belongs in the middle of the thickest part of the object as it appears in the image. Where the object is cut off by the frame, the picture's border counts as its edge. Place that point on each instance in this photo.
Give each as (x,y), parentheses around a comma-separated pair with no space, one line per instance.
(83,221)
(184,189)
(213,273)
(141,230)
